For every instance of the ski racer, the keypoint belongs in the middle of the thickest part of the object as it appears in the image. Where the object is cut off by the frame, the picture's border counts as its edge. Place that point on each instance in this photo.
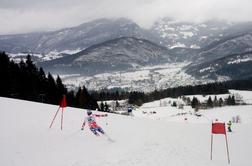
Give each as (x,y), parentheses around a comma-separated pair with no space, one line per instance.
(90,119)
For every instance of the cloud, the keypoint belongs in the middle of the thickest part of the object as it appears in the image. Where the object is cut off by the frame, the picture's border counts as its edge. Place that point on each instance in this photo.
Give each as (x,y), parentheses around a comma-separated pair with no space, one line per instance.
(20,16)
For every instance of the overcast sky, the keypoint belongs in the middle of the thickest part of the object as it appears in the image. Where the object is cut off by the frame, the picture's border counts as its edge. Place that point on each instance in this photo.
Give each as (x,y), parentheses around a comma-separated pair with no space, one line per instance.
(19,16)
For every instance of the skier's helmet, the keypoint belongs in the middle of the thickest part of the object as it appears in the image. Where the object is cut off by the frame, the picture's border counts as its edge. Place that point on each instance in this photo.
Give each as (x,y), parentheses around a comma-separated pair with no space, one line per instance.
(89,112)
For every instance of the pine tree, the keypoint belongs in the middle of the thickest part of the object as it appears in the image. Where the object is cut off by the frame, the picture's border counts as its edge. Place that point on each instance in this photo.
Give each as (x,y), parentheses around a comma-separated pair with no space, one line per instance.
(102,106)
(51,90)
(42,84)
(106,107)
(30,65)
(210,102)
(5,75)
(117,103)
(215,102)
(174,104)
(221,102)
(233,100)
(61,89)
(195,102)
(229,100)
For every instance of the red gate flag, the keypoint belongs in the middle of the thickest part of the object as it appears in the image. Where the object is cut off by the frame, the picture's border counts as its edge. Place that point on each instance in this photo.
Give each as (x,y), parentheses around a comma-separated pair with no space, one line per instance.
(63,102)
(218,128)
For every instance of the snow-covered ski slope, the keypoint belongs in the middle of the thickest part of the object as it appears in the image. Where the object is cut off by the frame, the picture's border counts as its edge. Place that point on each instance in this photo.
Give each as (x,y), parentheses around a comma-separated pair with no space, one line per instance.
(162,139)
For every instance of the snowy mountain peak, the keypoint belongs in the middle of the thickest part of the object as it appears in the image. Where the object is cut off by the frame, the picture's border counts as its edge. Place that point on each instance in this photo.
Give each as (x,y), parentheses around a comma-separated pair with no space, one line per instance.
(186,34)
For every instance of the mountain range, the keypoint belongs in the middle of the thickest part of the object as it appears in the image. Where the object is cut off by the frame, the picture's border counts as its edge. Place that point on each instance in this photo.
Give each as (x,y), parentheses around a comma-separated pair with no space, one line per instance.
(214,49)
(75,38)
(113,55)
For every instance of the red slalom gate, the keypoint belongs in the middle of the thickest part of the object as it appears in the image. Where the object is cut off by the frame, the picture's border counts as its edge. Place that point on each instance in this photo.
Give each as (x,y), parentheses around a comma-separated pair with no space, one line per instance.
(219,128)
(63,104)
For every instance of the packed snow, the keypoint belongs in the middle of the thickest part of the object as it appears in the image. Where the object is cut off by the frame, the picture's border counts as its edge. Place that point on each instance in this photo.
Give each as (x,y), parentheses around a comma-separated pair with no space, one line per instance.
(170,136)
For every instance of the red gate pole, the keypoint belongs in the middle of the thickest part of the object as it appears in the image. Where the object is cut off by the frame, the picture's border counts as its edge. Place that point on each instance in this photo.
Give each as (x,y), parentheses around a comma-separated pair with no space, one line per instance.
(211,155)
(54,118)
(62,118)
(227,149)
